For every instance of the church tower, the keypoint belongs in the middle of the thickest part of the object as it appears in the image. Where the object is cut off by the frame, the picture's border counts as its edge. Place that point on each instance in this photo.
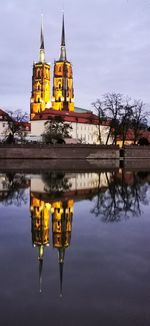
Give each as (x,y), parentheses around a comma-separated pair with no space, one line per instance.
(63,92)
(40,95)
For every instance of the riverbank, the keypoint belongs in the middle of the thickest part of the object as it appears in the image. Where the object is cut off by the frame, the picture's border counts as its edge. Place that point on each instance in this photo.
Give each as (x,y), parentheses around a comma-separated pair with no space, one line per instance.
(76,158)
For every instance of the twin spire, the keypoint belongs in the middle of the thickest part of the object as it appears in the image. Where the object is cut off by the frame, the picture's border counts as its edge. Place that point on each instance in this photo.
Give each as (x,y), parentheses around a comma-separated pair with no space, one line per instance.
(42,50)
(63,56)
(42,34)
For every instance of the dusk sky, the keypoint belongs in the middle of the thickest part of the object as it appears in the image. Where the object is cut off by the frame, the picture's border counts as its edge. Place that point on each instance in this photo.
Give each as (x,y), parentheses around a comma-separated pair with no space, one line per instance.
(108,43)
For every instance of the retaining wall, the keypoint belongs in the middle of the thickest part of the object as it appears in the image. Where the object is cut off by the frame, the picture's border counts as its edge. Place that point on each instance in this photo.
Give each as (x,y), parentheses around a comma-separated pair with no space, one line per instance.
(88,152)
(137,152)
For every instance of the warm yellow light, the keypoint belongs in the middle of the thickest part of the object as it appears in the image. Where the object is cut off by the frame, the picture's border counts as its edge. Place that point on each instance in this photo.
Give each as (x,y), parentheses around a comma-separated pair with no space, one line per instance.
(48,206)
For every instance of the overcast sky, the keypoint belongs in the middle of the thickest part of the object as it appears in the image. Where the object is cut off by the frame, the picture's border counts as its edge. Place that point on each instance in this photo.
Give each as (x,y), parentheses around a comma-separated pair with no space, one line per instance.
(108,43)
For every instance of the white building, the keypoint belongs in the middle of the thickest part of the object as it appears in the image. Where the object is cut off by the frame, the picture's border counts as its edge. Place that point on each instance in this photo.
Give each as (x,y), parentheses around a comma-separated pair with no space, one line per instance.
(86,127)
(4,117)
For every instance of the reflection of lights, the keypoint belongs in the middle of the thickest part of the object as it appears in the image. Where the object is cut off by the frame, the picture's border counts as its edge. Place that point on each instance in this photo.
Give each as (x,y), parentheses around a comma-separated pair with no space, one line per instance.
(61,210)
(48,105)
(40,208)
(52,210)
(32,208)
(48,206)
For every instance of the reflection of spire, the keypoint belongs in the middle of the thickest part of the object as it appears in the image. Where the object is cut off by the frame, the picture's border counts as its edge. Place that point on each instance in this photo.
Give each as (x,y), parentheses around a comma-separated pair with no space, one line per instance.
(63,56)
(40,215)
(61,255)
(40,258)
(40,274)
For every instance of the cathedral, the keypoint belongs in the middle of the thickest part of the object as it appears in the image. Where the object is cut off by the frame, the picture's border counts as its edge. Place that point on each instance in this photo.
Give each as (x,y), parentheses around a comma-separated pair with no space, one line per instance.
(57,99)
(62,98)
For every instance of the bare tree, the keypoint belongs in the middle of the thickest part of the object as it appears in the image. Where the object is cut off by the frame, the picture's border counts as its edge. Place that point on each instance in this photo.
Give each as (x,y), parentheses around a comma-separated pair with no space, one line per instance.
(15,125)
(113,106)
(139,119)
(99,108)
(125,123)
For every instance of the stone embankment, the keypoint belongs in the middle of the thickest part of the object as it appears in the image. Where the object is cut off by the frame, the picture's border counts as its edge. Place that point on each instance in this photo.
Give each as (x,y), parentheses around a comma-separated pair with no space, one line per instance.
(88,152)
(136,157)
(136,152)
(73,157)
(58,157)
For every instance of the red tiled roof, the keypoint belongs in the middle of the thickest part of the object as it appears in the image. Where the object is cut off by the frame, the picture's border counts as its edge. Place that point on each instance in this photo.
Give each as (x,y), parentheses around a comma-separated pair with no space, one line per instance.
(26,125)
(86,117)
(4,115)
(130,135)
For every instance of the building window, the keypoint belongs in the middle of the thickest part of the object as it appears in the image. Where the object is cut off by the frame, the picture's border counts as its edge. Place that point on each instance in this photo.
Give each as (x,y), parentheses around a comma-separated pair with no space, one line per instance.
(38,73)
(47,75)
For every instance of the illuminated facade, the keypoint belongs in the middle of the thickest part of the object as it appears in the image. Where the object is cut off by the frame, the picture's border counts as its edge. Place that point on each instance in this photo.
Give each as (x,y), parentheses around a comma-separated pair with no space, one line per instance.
(40,217)
(62,223)
(62,227)
(63,92)
(85,124)
(40,96)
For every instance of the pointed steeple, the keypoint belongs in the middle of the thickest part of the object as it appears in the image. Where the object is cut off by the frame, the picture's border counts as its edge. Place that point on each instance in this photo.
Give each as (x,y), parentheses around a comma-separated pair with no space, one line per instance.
(42,50)
(63,56)
(61,256)
(63,33)
(42,35)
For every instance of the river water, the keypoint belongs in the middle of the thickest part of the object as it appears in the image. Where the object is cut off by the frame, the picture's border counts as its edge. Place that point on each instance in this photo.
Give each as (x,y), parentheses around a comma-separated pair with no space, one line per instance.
(75,248)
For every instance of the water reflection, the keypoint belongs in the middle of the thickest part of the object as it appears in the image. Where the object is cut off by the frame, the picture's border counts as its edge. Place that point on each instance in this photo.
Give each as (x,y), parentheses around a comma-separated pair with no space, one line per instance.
(12,189)
(123,197)
(61,213)
(115,195)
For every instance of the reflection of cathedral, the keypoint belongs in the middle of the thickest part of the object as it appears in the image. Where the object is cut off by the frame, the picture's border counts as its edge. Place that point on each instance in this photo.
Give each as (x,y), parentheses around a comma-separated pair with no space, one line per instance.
(52,199)
(61,213)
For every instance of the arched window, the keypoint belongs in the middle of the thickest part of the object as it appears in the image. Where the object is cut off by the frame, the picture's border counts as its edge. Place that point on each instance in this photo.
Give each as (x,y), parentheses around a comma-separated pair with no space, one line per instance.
(38,73)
